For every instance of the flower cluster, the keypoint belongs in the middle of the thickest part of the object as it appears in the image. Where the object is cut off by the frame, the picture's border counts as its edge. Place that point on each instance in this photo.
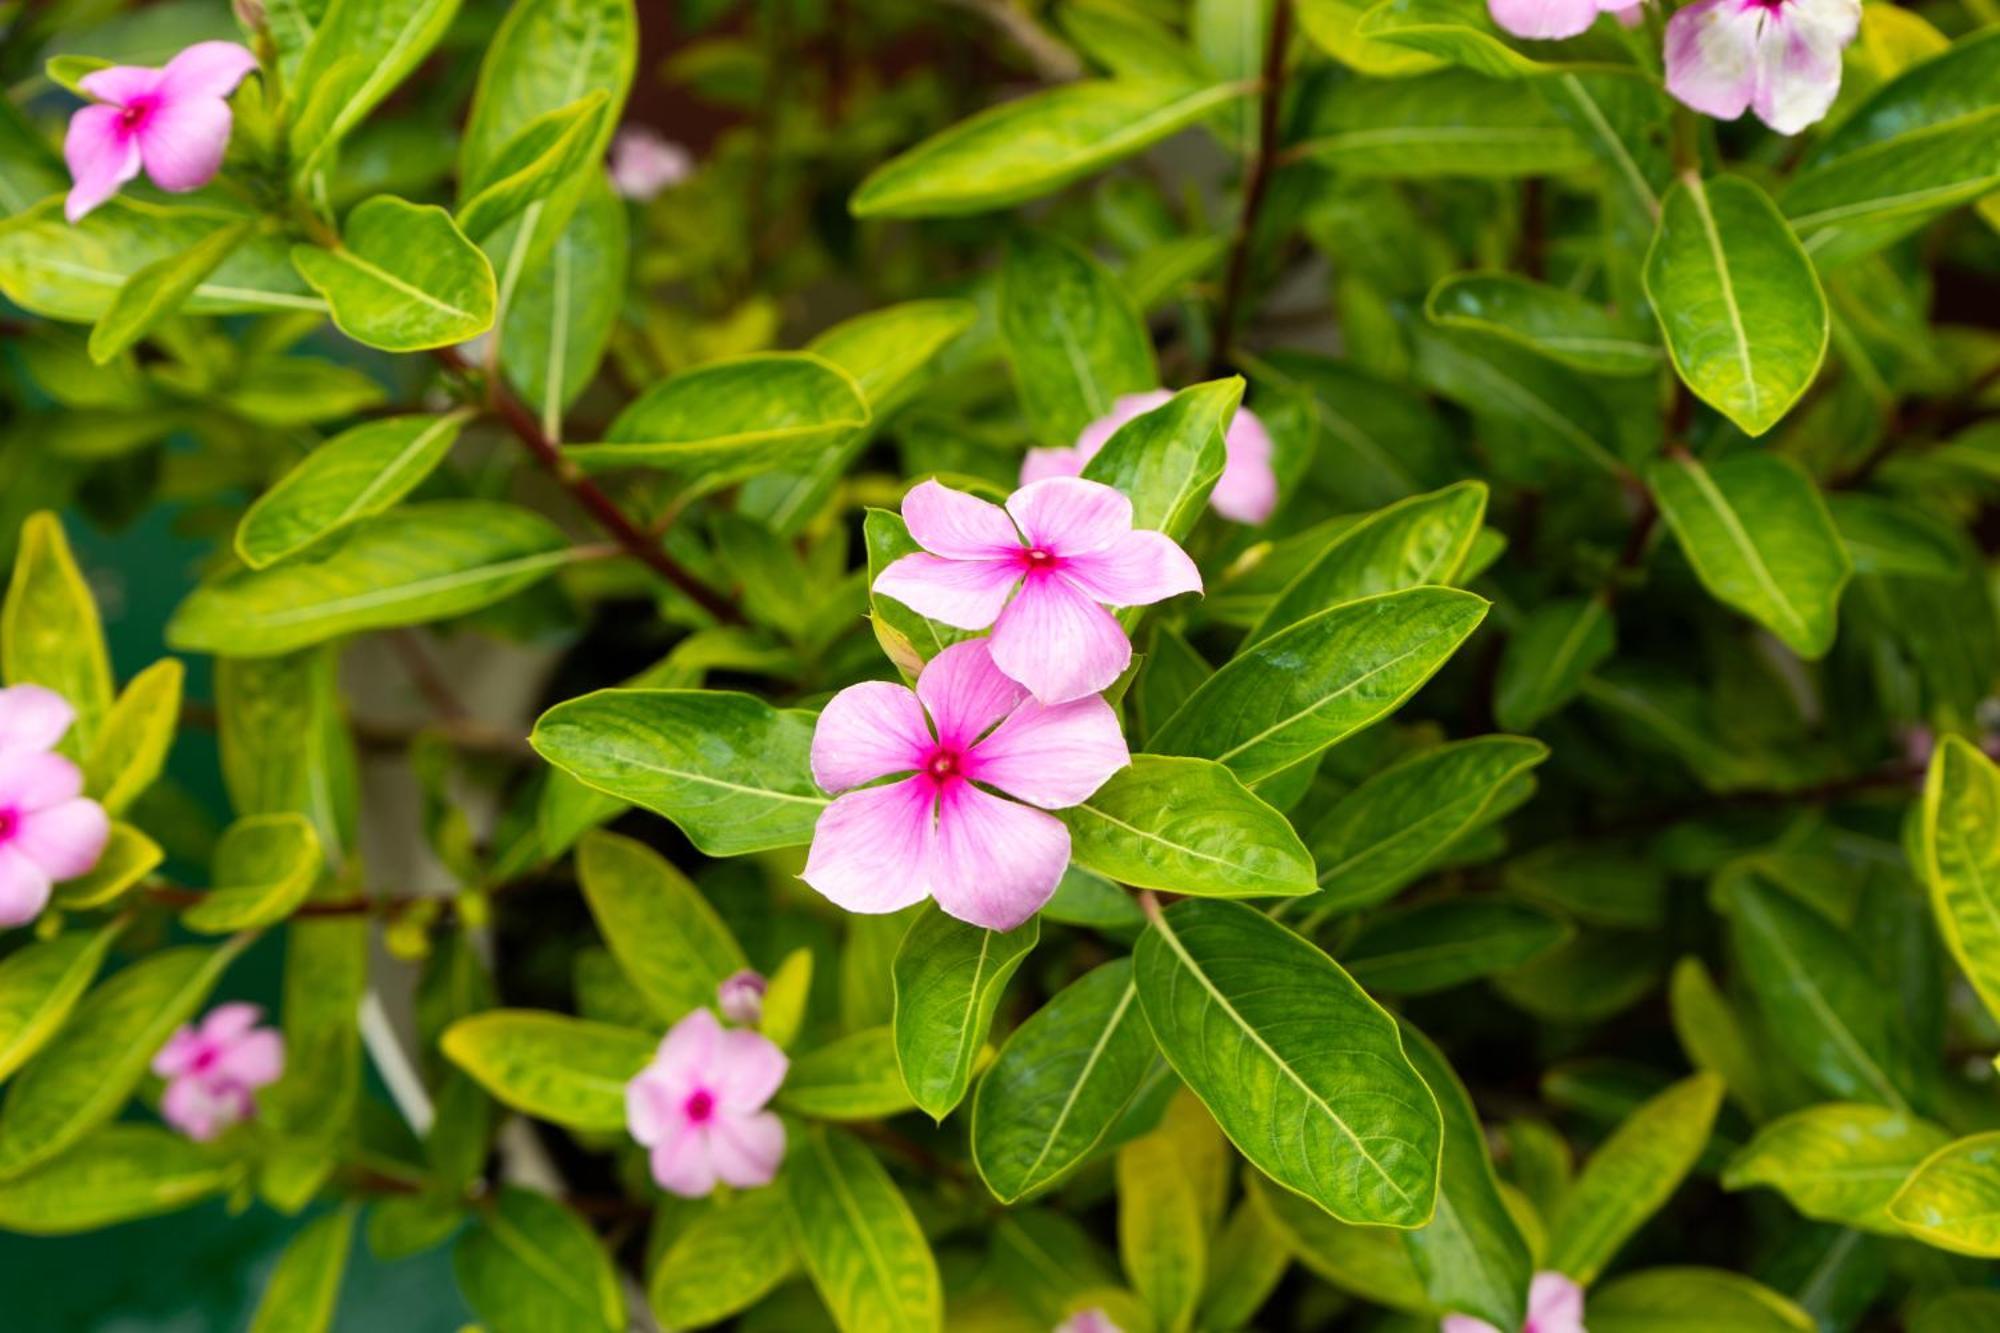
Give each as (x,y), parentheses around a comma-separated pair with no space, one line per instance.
(49,831)
(1247,491)
(214,1069)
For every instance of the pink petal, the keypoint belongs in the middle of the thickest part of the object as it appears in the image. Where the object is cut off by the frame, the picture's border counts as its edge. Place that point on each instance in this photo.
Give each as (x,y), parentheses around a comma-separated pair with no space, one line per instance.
(1127,408)
(64,840)
(748,1069)
(206,69)
(681,1165)
(33,718)
(871,848)
(1052,757)
(740,997)
(180,1053)
(24,888)
(747,1150)
(997,862)
(102,156)
(1138,569)
(965,594)
(1059,643)
(1711,56)
(1247,491)
(255,1060)
(1544,19)
(1040,463)
(1465,1323)
(687,1052)
(956,525)
(182,142)
(1070,516)
(1555,1304)
(33,780)
(652,1106)
(1798,58)
(227,1022)
(868,731)
(643,163)
(200,1109)
(965,693)
(121,85)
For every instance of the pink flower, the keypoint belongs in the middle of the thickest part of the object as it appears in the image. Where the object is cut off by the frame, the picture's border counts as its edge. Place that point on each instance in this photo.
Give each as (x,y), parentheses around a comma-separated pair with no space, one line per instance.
(1075,551)
(699,1107)
(213,1070)
(741,997)
(49,832)
(1555,1305)
(1778,57)
(1092,1320)
(1549,19)
(173,121)
(1247,491)
(935,834)
(643,163)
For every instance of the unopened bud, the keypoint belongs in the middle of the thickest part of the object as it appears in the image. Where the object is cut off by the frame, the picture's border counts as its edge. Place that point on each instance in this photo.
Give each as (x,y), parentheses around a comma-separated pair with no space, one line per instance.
(741,998)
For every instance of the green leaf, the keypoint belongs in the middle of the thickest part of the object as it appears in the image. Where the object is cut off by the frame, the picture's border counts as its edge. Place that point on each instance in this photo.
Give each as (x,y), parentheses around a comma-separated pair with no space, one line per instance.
(1437,945)
(1547,658)
(663,932)
(127,859)
(1249,1259)
(359,51)
(854,1077)
(1959,1310)
(1759,537)
(160,289)
(82,1077)
(403,277)
(131,748)
(563,1070)
(1714,1038)
(1693,1300)
(731,771)
(326,981)
(1390,829)
(1162,1213)
(1952,1200)
(1033,146)
(732,419)
(724,1259)
(1631,1175)
(1168,459)
(40,983)
(860,1242)
(1837,1162)
(1060,1083)
(265,865)
(1189,826)
(1424,539)
(541,158)
(949,977)
(414,564)
(1553,321)
(1451,123)
(1297,692)
(285,743)
(1558,414)
(531,1265)
(1333,26)
(1305,1073)
(112,1175)
(355,475)
(303,1289)
(1738,301)
(1372,1263)
(1896,539)
(1075,342)
(49,631)
(1959,844)
(1460,31)
(559,319)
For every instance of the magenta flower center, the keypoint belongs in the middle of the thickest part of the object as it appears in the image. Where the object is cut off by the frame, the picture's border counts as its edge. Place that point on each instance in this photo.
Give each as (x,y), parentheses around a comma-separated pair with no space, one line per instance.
(1040,560)
(700,1106)
(1770,6)
(10,820)
(943,765)
(133,117)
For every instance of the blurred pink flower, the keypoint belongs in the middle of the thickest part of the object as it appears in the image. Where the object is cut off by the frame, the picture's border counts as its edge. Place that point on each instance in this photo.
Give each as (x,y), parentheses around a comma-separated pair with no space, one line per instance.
(173,121)
(1550,19)
(644,162)
(1092,1320)
(987,861)
(49,831)
(1780,58)
(699,1108)
(741,997)
(1247,491)
(1555,1305)
(1074,553)
(213,1070)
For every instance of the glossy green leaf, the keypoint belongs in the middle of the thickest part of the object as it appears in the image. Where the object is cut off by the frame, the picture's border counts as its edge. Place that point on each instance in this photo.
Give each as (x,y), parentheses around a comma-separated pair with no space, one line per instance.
(1693,1300)
(530,1265)
(265,865)
(1952,1200)
(129,856)
(1460,31)
(305,1286)
(949,977)
(1076,344)
(285,742)
(1301,1069)
(1738,301)
(1437,945)
(726,1258)
(855,1077)
(1553,321)
(1168,459)
(326,982)
(1837,1162)
(50,634)
(359,51)
(414,564)
(861,1244)
(403,277)
(563,1070)
(1299,691)
(1451,123)
(1759,537)
(1557,413)
(1162,1212)
(731,771)
(1547,657)
(662,931)
(1333,26)
(155,292)
(1372,1263)
(1714,1037)
(559,318)
(112,1175)
(40,984)
(131,747)
(538,160)
(1960,848)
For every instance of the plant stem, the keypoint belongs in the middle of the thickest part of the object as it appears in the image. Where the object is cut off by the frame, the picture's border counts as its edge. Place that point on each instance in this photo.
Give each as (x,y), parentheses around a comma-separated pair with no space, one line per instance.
(1256,186)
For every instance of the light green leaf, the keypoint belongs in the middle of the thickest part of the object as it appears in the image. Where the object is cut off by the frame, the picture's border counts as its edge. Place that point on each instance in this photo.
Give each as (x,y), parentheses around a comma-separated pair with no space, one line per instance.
(1547,658)
(112,1175)
(127,859)
(860,1242)
(1460,31)
(302,1291)
(265,865)
(1837,1162)
(1553,321)
(160,289)
(359,51)
(403,277)
(538,160)
(1558,414)
(530,1265)
(40,983)
(326,978)
(855,1077)
(49,631)
(1960,850)
(1075,342)
(1714,1037)
(1693,1300)
(131,748)
(1372,1263)
(663,932)
(1896,539)
(1168,459)
(949,977)
(1189,826)
(563,1070)
(1334,26)
(1301,1069)
(1450,123)
(559,320)
(1249,1258)
(725,1259)
(1163,1214)
(285,742)
(1952,1201)
(1434,946)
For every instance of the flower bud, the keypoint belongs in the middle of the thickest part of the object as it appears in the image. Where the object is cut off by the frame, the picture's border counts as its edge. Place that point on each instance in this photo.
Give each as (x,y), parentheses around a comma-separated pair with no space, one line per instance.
(741,998)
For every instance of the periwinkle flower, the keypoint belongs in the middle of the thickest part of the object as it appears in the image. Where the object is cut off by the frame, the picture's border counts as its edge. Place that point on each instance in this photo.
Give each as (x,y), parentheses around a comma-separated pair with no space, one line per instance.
(214,1069)
(173,121)
(698,1108)
(1555,1305)
(1246,492)
(49,831)
(1780,58)
(740,997)
(644,162)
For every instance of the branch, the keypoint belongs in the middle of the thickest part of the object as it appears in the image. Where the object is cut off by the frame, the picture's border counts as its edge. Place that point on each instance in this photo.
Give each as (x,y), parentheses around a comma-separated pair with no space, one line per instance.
(1256,187)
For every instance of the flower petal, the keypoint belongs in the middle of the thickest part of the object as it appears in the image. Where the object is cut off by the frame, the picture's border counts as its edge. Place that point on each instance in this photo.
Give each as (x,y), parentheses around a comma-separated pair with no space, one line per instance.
(33,718)
(1798,59)
(680,1162)
(180,1052)
(206,69)
(747,1150)
(1059,643)
(254,1061)
(1052,757)
(121,85)
(24,888)
(64,840)
(956,525)
(748,1069)
(1070,516)
(868,731)
(1711,56)
(1544,19)
(227,1022)
(1138,569)
(687,1052)
(652,1106)
(1247,491)
(1040,463)
(1555,1304)
(997,862)
(102,156)
(1465,1323)
(182,142)
(965,693)
(200,1109)
(37,780)
(871,848)
(966,594)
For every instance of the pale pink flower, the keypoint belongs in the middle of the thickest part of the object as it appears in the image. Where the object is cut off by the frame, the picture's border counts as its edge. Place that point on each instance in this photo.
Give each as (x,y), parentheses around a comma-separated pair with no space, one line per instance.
(49,831)
(741,997)
(1555,1305)
(1247,491)
(213,1070)
(1074,553)
(1092,1320)
(644,162)
(934,834)
(1781,58)
(699,1108)
(1551,19)
(172,121)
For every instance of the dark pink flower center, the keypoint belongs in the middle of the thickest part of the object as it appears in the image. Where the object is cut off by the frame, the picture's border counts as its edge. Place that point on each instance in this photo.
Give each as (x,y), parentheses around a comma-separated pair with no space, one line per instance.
(700,1106)
(944,765)
(1770,6)
(10,822)
(133,116)
(1039,560)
